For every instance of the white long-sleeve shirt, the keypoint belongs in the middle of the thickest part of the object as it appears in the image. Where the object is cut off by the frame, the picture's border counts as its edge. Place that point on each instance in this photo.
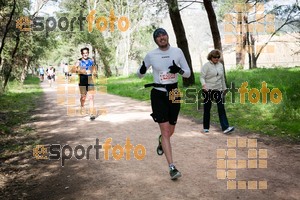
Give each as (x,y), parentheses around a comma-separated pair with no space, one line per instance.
(160,61)
(212,76)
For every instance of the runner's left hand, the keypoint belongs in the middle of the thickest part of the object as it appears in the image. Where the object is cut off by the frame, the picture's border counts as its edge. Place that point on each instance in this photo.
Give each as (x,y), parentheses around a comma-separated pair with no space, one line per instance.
(175,69)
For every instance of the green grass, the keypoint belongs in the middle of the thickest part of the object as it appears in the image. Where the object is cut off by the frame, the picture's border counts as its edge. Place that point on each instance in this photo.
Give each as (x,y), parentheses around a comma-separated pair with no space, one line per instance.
(272,119)
(281,120)
(15,111)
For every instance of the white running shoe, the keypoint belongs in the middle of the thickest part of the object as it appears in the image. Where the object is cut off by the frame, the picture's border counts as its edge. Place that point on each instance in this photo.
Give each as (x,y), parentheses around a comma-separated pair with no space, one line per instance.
(228,130)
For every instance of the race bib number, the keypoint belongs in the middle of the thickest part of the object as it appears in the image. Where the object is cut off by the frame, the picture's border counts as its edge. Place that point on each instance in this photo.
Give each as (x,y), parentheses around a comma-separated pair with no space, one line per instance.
(166,77)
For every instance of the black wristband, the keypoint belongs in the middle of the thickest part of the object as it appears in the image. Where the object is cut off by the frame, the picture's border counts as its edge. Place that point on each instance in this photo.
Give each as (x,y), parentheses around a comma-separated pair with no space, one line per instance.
(181,72)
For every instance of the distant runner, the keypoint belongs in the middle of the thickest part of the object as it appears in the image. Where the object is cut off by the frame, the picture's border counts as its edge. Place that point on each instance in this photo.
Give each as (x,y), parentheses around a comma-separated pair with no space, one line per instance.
(41,73)
(50,75)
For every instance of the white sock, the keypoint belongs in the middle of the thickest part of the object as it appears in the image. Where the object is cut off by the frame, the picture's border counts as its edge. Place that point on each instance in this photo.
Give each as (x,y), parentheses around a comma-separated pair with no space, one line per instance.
(171,165)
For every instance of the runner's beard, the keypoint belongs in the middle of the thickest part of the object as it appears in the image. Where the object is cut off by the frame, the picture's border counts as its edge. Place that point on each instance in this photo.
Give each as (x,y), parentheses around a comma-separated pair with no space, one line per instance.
(163,45)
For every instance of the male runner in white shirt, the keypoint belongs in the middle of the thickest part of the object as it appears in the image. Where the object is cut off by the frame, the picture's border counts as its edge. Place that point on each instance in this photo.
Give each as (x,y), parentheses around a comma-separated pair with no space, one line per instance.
(167,62)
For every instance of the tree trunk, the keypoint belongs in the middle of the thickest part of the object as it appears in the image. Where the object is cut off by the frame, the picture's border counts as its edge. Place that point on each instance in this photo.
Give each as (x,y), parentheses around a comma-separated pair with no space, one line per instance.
(25,70)
(213,24)
(214,29)
(249,43)
(126,49)
(249,49)
(6,30)
(10,66)
(239,49)
(107,71)
(253,52)
(94,55)
(181,38)
(127,43)
(2,75)
(7,73)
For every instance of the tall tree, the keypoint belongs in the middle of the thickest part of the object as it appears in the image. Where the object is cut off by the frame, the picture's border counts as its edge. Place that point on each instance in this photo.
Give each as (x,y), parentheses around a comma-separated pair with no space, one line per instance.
(8,24)
(9,67)
(224,7)
(291,16)
(114,45)
(181,39)
(83,33)
(246,9)
(19,48)
(10,40)
(214,28)
(213,24)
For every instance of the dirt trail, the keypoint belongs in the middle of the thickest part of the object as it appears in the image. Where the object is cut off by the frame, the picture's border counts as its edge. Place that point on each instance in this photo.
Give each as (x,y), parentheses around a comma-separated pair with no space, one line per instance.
(195,155)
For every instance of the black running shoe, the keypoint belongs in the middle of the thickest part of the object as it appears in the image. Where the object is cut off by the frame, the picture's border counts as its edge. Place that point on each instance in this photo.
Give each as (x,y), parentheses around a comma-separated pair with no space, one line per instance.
(159,149)
(174,173)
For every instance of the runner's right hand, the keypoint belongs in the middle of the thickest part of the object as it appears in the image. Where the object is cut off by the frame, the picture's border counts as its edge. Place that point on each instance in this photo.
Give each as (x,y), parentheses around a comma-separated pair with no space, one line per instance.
(143,68)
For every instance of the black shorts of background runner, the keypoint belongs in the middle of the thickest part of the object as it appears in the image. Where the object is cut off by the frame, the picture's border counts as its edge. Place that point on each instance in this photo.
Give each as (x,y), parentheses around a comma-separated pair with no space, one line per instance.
(164,110)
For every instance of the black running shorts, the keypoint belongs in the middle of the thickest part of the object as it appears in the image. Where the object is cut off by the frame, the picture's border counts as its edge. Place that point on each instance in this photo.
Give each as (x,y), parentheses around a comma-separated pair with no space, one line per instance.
(164,110)
(86,84)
